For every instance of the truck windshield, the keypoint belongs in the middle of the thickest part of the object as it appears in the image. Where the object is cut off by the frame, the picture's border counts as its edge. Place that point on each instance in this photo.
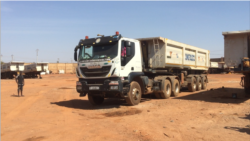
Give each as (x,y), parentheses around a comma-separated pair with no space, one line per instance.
(103,51)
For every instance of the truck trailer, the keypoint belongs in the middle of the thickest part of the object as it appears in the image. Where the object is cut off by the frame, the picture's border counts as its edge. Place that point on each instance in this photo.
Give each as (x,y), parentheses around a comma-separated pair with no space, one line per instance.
(9,70)
(34,70)
(116,66)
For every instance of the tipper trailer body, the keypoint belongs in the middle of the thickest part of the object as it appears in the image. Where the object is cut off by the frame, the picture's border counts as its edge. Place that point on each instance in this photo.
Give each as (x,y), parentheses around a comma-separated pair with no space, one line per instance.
(115,66)
(34,70)
(9,70)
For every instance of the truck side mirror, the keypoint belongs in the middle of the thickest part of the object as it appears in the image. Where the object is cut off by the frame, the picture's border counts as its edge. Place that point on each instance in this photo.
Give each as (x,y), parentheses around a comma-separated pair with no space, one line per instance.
(75,53)
(75,56)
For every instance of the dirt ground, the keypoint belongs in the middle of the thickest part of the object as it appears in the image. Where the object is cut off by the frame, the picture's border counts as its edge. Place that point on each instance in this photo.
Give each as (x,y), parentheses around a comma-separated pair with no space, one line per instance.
(51,110)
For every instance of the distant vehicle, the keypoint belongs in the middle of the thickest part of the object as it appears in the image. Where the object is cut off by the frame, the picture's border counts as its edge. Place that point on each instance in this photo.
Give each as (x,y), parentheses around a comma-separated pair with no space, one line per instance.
(216,67)
(9,70)
(116,66)
(34,70)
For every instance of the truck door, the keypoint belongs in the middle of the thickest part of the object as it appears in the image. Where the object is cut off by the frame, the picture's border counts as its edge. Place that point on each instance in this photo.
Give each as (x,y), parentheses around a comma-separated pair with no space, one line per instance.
(130,58)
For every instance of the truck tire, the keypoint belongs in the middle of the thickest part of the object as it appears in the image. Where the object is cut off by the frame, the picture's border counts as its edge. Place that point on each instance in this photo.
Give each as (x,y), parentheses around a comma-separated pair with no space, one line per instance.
(166,90)
(198,84)
(204,83)
(192,85)
(95,100)
(176,89)
(134,94)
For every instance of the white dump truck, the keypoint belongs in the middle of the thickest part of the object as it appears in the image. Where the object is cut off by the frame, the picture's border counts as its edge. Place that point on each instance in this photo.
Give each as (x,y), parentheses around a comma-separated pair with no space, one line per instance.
(34,70)
(9,70)
(116,66)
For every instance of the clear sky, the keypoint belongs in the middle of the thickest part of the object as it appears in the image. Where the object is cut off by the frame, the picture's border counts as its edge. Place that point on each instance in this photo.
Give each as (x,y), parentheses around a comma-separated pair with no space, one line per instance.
(55,28)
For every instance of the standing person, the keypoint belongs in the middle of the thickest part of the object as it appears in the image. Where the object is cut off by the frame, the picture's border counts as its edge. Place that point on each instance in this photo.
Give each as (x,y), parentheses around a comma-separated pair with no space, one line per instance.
(20,83)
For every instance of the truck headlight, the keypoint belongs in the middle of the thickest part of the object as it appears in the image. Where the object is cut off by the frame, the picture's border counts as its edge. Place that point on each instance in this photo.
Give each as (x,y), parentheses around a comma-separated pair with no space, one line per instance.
(113,87)
(78,83)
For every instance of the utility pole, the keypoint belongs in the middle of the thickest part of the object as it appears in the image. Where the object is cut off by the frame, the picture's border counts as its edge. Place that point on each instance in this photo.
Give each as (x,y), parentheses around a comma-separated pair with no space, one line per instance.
(36,54)
(12,58)
(58,60)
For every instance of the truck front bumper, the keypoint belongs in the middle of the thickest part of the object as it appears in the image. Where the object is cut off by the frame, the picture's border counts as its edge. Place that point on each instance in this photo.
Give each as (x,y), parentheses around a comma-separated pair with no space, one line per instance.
(108,86)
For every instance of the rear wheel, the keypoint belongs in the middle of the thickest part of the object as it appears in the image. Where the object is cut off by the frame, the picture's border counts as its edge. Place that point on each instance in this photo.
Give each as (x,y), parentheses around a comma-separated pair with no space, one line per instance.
(192,85)
(166,90)
(95,100)
(198,85)
(204,83)
(134,94)
(176,89)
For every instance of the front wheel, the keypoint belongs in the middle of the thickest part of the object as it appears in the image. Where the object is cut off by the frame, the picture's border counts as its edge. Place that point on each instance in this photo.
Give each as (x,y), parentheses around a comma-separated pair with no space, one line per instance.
(134,94)
(95,100)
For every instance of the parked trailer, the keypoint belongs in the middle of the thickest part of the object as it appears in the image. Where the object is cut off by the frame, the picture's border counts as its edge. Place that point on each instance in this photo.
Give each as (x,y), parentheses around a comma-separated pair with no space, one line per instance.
(34,70)
(115,66)
(9,70)
(216,67)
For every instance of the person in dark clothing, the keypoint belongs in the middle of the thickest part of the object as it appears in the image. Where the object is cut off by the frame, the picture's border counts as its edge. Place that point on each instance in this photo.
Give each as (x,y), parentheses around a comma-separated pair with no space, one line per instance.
(20,83)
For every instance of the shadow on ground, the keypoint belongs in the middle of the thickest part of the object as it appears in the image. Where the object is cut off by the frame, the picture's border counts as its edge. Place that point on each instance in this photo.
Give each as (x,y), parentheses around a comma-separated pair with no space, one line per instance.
(219,95)
(13,95)
(242,129)
(85,104)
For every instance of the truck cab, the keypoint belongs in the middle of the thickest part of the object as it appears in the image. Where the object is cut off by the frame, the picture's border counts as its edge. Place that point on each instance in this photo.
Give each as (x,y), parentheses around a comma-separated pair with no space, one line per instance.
(105,64)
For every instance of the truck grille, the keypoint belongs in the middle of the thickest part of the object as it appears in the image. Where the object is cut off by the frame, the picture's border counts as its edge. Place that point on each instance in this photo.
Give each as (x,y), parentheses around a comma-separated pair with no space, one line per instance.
(95,72)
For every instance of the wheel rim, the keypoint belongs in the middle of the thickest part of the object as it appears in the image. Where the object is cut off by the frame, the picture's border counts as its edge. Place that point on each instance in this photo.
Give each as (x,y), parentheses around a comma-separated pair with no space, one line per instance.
(168,89)
(199,85)
(136,93)
(176,88)
(194,86)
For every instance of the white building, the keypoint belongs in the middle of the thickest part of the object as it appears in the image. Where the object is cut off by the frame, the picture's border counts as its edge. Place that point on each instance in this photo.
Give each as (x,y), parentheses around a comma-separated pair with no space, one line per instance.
(236,47)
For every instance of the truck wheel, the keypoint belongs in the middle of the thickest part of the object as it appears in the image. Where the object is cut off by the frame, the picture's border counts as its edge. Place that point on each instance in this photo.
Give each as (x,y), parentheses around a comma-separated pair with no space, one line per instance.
(95,100)
(134,94)
(198,84)
(192,86)
(166,90)
(204,83)
(176,89)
